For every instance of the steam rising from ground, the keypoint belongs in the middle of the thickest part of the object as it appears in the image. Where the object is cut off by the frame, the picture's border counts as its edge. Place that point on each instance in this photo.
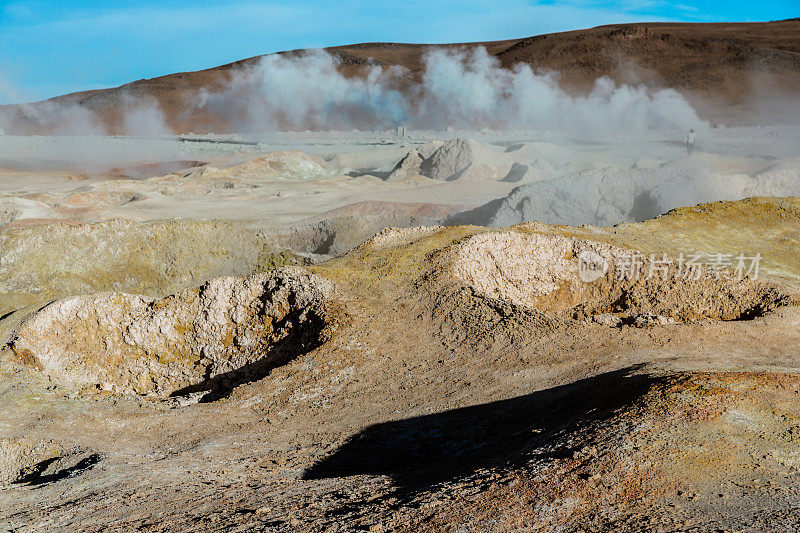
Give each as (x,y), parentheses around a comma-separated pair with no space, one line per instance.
(143,116)
(307,92)
(57,119)
(463,89)
(136,116)
(471,90)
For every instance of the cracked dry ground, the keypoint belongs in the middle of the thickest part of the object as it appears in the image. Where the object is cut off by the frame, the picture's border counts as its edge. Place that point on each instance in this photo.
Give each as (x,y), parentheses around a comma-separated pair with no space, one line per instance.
(442,400)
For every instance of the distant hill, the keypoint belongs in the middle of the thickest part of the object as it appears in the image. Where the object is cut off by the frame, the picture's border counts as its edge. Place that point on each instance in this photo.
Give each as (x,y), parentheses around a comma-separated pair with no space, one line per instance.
(720,67)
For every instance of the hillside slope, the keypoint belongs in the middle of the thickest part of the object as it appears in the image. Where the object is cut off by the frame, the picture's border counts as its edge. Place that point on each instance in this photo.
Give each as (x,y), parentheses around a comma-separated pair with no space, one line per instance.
(715,65)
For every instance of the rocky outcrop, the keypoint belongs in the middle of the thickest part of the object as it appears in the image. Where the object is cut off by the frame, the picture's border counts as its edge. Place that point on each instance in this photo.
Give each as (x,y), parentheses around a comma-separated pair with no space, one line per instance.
(229,331)
(571,277)
(450,161)
(456,159)
(290,165)
(605,196)
(407,168)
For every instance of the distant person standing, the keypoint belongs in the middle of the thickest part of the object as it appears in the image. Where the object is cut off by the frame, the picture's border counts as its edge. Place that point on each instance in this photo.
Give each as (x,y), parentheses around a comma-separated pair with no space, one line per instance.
(688,140)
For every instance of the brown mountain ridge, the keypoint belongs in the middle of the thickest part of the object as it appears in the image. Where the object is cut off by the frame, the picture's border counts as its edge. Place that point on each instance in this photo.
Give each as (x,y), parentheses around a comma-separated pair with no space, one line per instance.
(727,70)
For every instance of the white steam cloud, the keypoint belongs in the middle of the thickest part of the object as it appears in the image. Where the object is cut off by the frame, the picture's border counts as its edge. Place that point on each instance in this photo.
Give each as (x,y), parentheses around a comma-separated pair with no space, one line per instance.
(462,89)
(55,118)
(143,116)
(135,116)
(307,92)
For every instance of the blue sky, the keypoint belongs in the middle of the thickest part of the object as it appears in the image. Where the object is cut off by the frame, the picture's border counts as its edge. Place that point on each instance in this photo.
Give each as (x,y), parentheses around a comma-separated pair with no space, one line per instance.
(49,48)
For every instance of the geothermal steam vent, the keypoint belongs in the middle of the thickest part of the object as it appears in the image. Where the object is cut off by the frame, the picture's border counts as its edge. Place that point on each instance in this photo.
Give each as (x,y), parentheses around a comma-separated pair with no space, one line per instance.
(229,331)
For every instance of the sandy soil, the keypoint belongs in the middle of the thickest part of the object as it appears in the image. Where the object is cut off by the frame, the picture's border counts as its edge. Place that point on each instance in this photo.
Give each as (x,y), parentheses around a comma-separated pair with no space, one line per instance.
(164,369)
(490,416)
(205,178)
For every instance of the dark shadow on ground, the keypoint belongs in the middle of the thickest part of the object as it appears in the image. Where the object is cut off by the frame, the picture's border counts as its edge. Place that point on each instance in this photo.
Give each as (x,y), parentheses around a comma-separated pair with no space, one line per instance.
(480,216)
(58,468)
(300,332)
(426,450)
(645,207)
(516,173)
(370,172)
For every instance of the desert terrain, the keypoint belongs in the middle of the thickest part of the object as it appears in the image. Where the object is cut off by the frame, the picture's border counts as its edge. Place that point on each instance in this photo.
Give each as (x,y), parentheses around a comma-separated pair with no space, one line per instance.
(570,322)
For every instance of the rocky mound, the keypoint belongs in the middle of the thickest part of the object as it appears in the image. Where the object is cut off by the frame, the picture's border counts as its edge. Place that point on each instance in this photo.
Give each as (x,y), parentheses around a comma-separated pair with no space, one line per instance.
(407,169)
(273,167)
(450,161)
(229,331)
(612,195)
(454,160)
(562,276)
(285,166)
